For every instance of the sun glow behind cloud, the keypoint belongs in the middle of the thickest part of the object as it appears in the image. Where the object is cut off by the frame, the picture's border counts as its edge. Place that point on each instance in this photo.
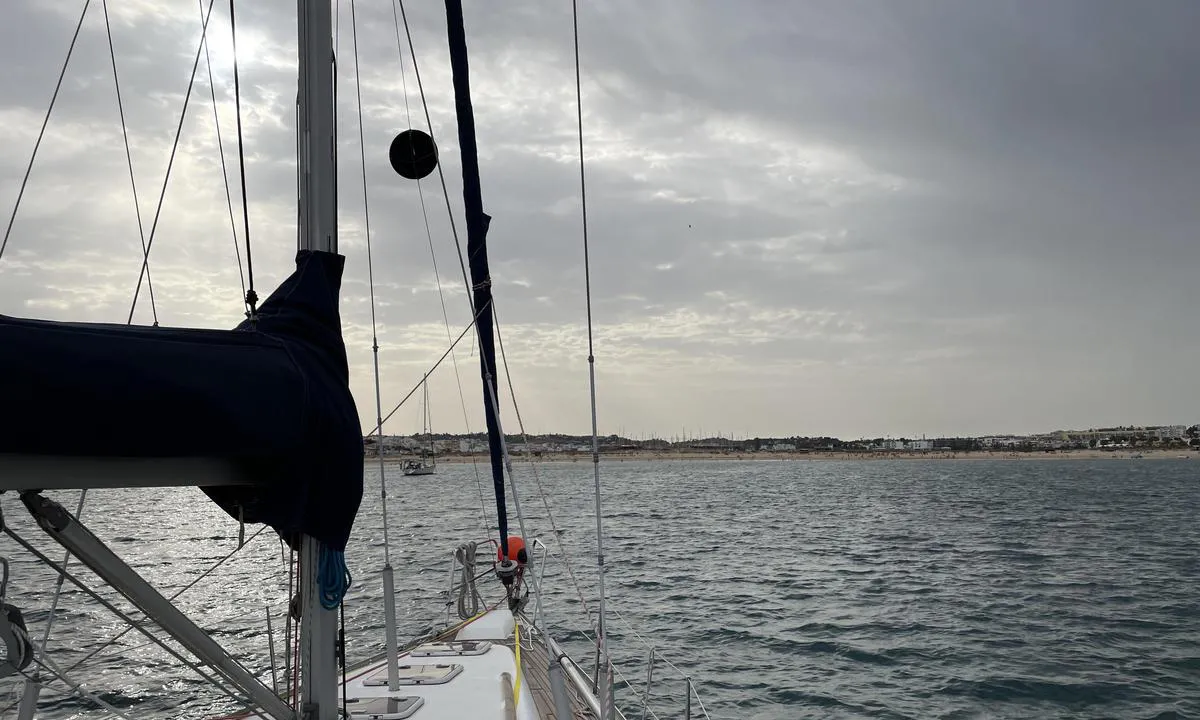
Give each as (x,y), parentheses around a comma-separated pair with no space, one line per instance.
(835,233)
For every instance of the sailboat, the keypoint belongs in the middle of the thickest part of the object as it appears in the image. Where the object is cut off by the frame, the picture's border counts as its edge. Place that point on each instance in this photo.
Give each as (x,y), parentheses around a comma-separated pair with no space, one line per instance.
(427,464)
(263,421)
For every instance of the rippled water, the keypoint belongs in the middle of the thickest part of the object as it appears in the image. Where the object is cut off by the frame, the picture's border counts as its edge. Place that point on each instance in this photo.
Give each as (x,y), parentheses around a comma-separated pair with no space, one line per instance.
(797,589)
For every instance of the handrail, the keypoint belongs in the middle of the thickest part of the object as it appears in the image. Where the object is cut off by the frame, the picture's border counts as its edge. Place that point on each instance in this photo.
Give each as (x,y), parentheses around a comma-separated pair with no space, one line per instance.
(585,686)
(657,654)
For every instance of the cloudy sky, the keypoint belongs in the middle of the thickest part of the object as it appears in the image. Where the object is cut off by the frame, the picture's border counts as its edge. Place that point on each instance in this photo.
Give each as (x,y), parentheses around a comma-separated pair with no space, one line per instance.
(853,218)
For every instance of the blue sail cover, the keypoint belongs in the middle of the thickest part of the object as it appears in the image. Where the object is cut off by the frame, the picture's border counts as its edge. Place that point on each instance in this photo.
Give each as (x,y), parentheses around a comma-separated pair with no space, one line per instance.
(273,399)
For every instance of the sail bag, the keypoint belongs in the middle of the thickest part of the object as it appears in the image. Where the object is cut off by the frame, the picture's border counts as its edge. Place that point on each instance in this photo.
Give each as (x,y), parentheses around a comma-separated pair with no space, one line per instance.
(271,397)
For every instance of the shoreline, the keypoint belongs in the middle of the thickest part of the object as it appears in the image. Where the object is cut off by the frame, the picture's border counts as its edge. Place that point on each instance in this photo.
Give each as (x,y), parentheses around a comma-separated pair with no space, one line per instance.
(823,456)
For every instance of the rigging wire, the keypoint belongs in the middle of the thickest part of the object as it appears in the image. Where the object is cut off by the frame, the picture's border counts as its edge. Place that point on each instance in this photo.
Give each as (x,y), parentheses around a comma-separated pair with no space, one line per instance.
(416,387)
(495,427)
(643,699)
(76,688)
(212,89)
(42,133)
(111,641)
(171,161)
(177,593)
(287,631)
(490,394)
(122,615)
(137,206)
(436,274)
(606,699)
(362,153)
(58,586)
(251,296)
(141,235)
(441,172)
(488,372)
(537,478)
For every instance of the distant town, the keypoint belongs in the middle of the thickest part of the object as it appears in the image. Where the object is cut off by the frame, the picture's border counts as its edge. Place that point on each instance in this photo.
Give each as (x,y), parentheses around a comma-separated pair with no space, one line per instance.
(1166,437)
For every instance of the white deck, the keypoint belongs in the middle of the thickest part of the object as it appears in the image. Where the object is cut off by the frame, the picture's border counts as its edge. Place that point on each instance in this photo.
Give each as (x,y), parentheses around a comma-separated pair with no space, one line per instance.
(482,689)
(469,675)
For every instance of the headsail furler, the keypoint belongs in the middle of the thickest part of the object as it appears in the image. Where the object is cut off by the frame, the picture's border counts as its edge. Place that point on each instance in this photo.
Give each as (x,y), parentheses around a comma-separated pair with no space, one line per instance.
(481,281)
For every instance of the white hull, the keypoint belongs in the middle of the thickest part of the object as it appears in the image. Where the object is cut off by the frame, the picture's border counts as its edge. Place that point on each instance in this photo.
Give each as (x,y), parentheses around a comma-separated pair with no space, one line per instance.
(423,470)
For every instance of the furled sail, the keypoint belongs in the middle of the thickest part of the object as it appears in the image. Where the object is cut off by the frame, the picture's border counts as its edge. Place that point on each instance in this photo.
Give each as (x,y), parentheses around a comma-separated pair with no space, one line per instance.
(481,280)
(270,397)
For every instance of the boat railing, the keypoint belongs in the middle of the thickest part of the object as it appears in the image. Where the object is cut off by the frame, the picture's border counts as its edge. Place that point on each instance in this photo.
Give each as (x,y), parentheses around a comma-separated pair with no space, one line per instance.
(656,662)
(643,688)
(650,702)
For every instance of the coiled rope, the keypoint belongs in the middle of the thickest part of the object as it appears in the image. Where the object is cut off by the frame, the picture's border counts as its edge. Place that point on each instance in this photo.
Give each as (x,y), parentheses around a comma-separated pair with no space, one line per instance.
(467,592)
(333,577)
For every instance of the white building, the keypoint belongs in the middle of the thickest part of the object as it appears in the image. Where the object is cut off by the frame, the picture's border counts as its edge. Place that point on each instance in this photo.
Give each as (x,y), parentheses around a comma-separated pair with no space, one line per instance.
(1170,432)
(472,445)
(907,445)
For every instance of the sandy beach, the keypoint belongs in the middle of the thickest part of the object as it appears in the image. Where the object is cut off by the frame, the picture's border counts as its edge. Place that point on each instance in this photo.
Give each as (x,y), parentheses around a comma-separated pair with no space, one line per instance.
(677,456)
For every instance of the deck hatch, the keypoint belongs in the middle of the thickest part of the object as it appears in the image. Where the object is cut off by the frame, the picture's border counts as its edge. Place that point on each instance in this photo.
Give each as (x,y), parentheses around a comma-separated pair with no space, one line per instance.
(392,707)
(414,674)
(452,649)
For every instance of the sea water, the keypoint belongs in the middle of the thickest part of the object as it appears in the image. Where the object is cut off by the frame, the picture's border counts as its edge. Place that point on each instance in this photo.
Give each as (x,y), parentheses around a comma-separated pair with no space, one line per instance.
(784,589)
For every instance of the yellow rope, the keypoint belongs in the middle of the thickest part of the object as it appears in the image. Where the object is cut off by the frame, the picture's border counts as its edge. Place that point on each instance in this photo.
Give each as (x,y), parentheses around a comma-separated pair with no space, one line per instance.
(517,684)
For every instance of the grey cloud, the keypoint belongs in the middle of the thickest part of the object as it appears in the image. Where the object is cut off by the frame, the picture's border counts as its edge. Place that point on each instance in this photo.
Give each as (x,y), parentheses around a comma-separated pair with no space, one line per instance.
(830,217)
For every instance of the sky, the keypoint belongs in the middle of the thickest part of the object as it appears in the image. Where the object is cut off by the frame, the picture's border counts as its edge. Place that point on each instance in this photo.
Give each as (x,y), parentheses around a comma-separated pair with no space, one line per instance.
(831,217)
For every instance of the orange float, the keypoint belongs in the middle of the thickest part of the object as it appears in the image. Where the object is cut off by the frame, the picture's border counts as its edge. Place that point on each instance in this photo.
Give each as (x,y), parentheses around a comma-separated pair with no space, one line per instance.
(516,551)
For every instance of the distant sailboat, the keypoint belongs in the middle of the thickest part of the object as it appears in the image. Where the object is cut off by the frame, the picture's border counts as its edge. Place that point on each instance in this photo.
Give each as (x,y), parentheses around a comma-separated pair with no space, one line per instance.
(427,465)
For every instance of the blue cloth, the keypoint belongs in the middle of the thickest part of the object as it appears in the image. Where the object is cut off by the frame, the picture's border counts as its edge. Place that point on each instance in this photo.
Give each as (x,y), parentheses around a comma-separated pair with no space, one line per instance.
(273,398)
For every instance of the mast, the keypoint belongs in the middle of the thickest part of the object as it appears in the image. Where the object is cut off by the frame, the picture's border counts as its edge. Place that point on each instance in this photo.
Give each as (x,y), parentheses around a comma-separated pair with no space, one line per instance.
(428,420)
(317,168)
(481,280)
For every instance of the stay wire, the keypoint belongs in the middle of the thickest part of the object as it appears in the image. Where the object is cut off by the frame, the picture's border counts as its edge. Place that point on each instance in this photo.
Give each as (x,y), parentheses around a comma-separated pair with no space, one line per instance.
(441,173)
(251,296)
(489,372)
(137,206)
(58,585)
(122,615)
(212,89)
(462,260)
(74,687)
(362,154)
(606,699)
(537,478)
(171,161)
(42,133)
(437,277)
(118,636)
(417,387)
(177,593)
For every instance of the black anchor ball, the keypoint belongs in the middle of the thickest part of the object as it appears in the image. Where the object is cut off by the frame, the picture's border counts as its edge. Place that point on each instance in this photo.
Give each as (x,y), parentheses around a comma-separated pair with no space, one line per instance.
(413,154)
